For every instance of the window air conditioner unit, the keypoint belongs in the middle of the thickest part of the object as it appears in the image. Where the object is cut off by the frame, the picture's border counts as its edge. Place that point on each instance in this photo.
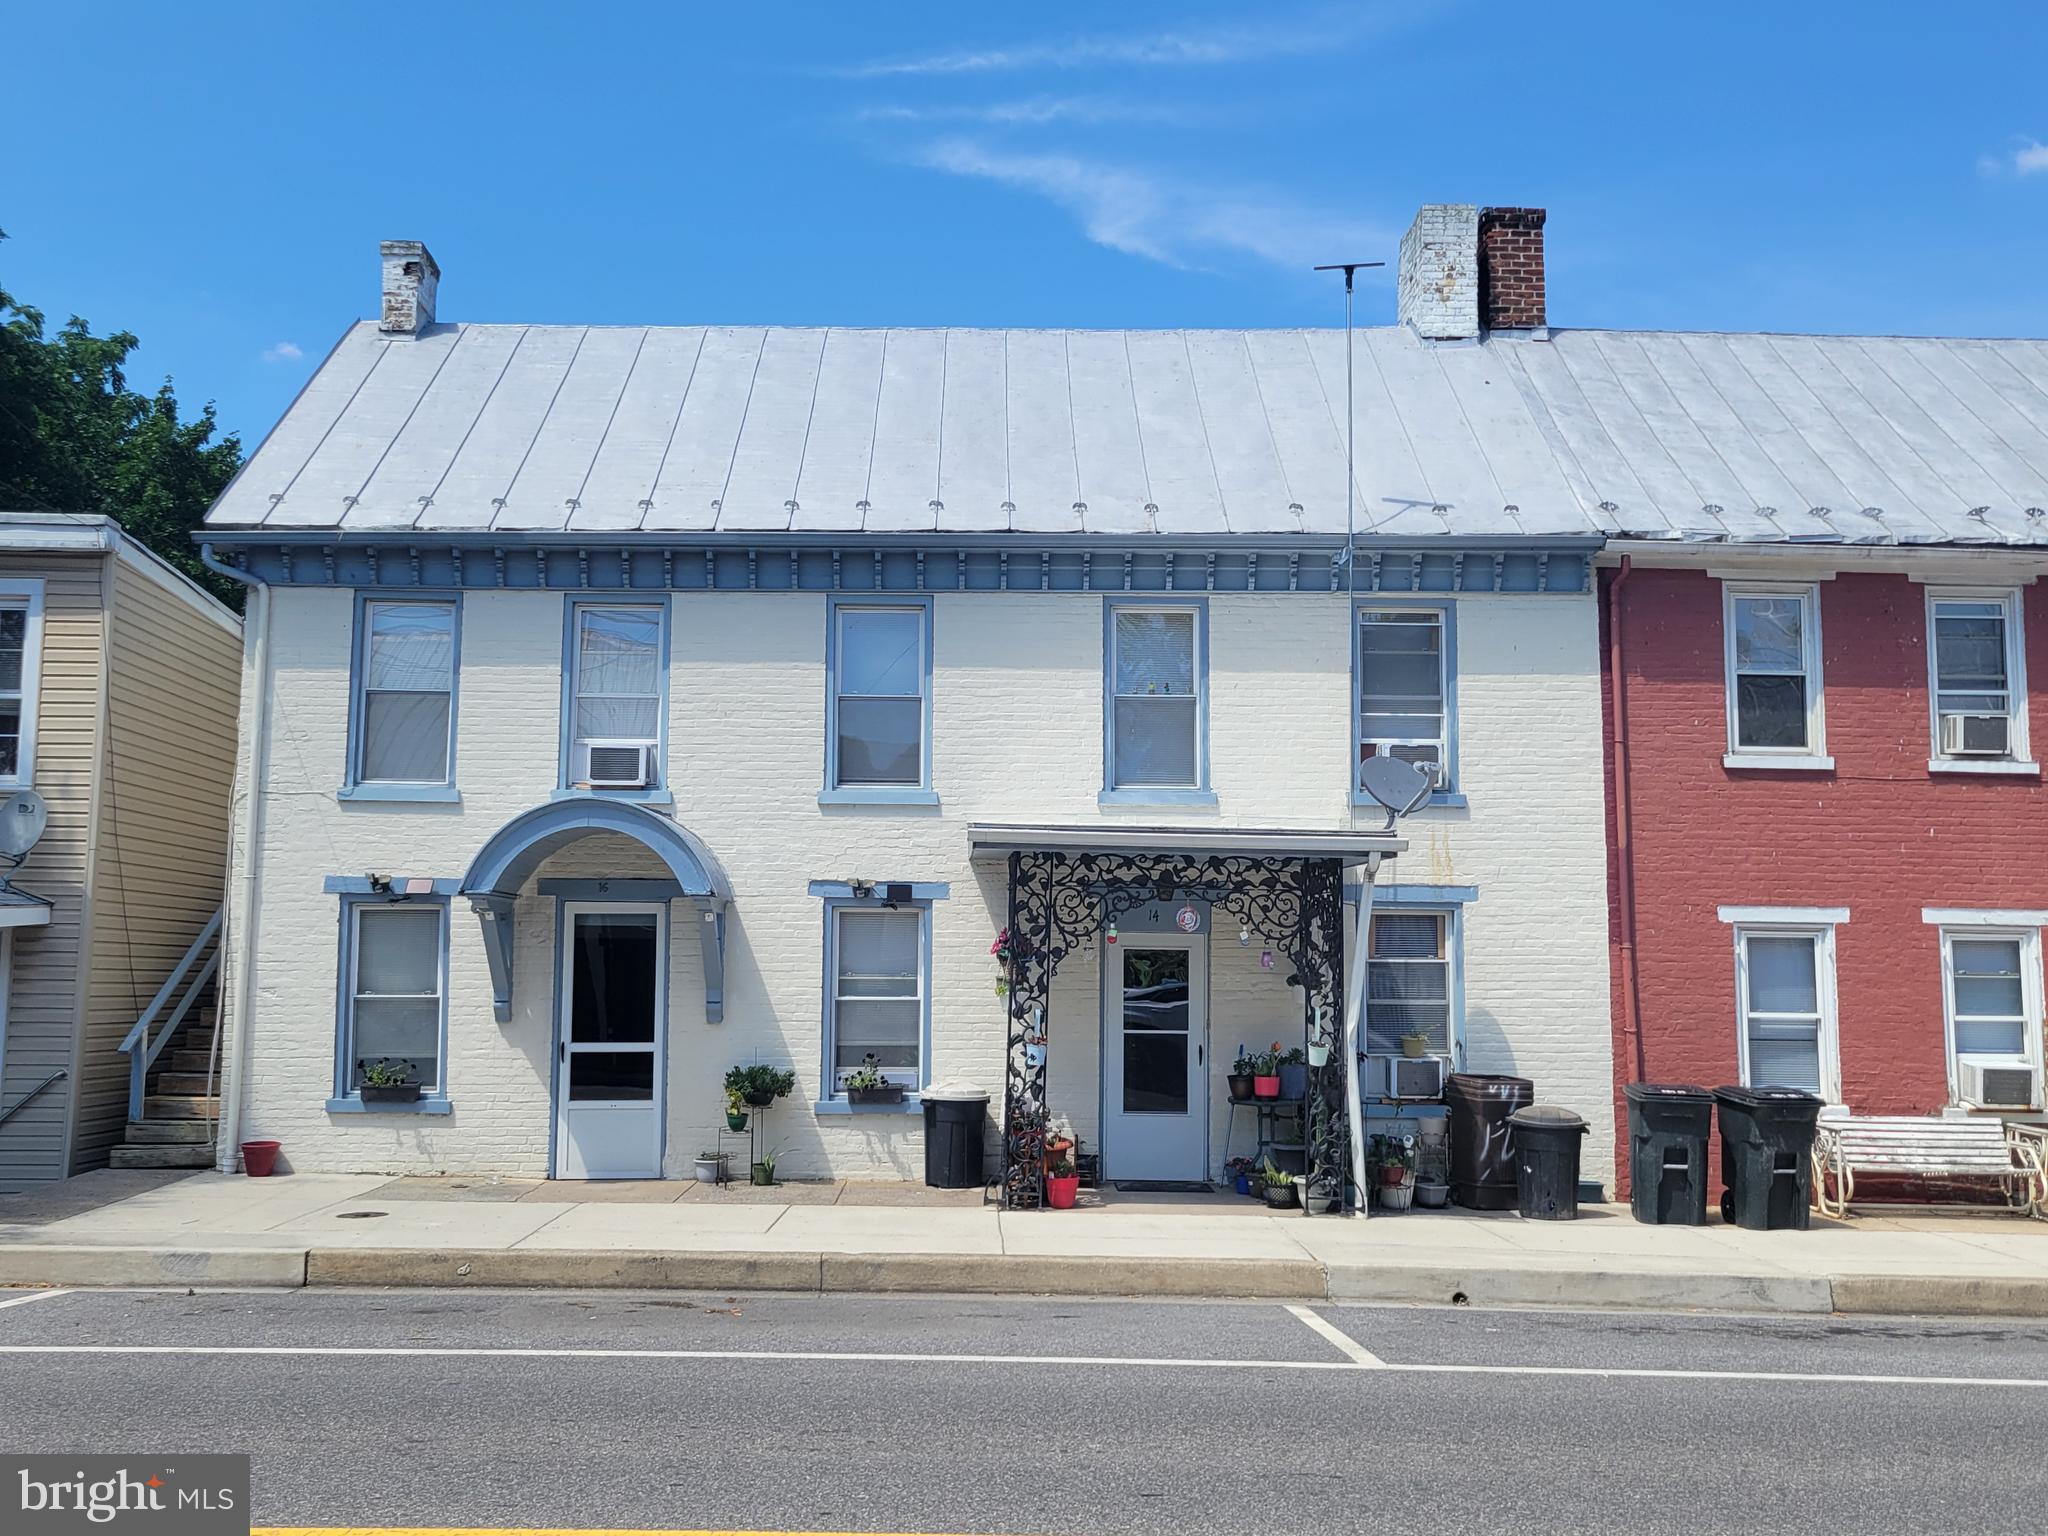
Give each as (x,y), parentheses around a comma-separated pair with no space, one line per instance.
(615,764)
(1422,755)
(1996,1087)
(1976,736)
(1416,1077)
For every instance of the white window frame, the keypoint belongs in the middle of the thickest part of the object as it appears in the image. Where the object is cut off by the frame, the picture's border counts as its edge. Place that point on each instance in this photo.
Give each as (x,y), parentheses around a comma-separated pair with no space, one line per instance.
(1446,640)
(1198,640)
(572,698)
(1451,937)
(351,994)
(836,909)
(2029,939)
(1817,924)
(1813,755)
(26,594)
(359,706)
(836,695)
(2019,756)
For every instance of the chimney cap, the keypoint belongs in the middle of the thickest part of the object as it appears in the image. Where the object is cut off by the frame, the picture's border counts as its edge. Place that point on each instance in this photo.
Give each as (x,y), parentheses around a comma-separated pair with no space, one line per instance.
(409,250)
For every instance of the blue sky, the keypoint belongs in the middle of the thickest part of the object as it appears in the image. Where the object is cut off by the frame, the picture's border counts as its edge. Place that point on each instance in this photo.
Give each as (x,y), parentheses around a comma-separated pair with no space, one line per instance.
(216,177)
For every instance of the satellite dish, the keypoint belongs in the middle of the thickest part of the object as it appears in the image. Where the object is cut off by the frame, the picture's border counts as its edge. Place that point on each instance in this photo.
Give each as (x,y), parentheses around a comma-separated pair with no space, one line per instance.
(23,818)
(1398,786)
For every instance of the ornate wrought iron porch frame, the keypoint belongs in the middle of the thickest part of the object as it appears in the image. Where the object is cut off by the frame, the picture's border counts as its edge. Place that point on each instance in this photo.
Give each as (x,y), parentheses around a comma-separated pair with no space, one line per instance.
(1060,901)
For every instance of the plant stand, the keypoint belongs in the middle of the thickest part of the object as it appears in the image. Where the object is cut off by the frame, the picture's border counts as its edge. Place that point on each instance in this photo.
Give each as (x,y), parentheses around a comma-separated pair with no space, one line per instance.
(751,1136)
(1277,1126)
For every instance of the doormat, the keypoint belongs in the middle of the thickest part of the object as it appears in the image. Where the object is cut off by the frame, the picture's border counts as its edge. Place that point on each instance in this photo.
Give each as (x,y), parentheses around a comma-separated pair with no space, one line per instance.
(1164,1187)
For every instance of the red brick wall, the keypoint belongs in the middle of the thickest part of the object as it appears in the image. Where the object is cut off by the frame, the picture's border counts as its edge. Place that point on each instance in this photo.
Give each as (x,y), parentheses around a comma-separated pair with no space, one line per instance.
(1511,268)
(1880,835)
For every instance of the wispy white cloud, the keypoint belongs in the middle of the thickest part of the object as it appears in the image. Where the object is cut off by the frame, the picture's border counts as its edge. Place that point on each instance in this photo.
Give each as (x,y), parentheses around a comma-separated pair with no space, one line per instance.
(1163,218)
(1197,46)
(1032,112)
(282,352)
(2023,157)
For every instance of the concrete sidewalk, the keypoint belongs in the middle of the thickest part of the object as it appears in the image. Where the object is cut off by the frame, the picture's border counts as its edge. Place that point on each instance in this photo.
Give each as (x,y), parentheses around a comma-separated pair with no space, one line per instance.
(313,1229)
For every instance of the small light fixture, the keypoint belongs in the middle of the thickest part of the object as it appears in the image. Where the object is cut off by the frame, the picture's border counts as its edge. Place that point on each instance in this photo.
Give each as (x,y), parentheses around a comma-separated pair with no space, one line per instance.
(380,885)
(862,889)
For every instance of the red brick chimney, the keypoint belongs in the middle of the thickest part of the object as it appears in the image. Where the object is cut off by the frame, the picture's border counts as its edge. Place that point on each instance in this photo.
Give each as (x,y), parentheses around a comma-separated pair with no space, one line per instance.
(1511,269)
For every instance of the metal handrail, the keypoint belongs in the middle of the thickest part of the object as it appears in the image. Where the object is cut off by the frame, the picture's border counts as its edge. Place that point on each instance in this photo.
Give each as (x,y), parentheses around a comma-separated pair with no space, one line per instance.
(8,1112)
(141,1060)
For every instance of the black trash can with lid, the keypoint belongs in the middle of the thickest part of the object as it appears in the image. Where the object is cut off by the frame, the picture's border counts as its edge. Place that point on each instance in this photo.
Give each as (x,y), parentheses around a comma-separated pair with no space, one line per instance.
(1767,1156)
(955,1120)
(1482,1150)
(1668,1128)
(1547,1142)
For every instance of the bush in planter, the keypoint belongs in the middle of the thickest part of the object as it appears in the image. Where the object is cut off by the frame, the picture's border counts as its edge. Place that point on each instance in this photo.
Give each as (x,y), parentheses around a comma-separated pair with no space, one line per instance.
(387,1080)
(1279,1186)
(1062,1184)
(865,1084)
(1266,1073)
(758,1085)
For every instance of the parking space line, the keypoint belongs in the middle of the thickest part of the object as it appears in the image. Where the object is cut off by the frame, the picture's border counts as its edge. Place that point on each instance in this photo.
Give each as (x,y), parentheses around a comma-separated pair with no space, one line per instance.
(22,1301)
(1344,1344)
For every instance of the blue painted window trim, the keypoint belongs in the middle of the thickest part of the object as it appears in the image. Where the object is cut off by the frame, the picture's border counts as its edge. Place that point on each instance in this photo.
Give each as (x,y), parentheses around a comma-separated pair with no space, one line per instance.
(660,791)
(1451,796)
(1451,901)
(394,886)
(1113,793)
(835,793)
(353,786)
(347,1100)
(832,1101)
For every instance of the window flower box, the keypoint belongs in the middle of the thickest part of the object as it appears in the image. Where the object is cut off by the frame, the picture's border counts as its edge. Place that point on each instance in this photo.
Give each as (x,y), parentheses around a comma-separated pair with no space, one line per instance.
(883,1093)
(390,1093)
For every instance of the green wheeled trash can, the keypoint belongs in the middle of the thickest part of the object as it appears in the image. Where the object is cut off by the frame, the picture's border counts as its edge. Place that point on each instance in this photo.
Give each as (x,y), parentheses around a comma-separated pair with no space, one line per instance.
(1547,1141)
(955,1122)
(1767,1156)
(1669,1125)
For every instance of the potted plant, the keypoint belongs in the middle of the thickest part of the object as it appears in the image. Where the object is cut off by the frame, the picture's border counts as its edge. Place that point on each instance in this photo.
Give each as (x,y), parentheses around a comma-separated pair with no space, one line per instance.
(759,1086)
(388,1081)
(1059,1142)
(866,1085)
(735,1110)
(1279,1186)
(763,1170)
(1062,1184)
(1266,1073)
(1242,1171)
(1397,1173)
(710,1167)
(1414,1045)
(1000,950)
(1294,1075)
(1241,1075)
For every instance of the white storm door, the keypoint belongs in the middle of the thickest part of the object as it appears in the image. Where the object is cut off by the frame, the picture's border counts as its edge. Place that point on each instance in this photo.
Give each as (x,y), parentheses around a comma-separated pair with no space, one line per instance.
(611,1050)
(1155,1033)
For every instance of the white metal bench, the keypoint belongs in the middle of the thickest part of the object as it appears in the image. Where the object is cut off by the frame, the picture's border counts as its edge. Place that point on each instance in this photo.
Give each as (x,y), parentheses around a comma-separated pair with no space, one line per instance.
(1920,1146)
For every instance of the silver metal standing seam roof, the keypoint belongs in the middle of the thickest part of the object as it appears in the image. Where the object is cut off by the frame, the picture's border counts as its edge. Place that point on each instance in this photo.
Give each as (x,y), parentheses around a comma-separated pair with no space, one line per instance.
(1759,438)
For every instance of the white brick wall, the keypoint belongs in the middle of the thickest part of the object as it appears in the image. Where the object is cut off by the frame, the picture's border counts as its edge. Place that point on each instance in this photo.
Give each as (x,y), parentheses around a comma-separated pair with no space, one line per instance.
(1437,287)
(1017,737)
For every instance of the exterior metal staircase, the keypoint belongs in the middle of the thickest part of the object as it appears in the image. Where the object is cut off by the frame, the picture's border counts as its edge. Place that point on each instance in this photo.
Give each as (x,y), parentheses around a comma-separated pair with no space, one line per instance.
(173,1102)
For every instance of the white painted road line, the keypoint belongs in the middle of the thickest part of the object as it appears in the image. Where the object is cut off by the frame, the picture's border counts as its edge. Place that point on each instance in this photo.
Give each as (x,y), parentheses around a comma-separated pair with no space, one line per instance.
(22,1301)
(1607,1373)
(1345,1345)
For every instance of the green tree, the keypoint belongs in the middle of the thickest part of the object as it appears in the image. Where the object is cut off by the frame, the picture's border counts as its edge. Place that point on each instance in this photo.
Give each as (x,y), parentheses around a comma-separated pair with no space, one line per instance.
(75,438)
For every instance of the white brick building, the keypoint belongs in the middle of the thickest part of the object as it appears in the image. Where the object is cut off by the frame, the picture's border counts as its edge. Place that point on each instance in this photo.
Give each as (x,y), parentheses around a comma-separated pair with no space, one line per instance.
(753,637)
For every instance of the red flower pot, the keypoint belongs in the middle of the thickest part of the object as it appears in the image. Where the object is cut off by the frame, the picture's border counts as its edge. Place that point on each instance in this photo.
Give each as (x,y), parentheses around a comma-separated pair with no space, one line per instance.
(1266,1087)
(259,1158)
(1061,1194)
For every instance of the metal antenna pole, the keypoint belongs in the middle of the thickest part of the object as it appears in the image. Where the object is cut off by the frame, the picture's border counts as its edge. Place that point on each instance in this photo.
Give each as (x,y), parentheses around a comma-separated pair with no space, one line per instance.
(1350,270)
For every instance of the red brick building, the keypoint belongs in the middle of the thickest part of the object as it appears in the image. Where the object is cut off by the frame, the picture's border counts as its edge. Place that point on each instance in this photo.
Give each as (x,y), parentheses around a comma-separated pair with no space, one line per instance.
(1828,827)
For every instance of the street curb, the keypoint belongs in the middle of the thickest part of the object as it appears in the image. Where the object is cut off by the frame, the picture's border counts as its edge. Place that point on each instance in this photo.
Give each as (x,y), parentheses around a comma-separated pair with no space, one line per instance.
(1620,1288)
(1946,1295)
(83,1264)
(563,1269)
(1058,1275)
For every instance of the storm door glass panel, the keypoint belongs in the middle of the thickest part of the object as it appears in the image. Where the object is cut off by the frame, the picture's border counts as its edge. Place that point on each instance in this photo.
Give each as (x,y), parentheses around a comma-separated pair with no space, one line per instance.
(395,1008)
(1408,982)
(1155,1031)
(1156,710)
(408,688)
(880,684)
(1781,1010)
(613,1006)
(1990,1001)
(1401,686)
(13,650)
(1772,688)
(618,674)
(878,1004)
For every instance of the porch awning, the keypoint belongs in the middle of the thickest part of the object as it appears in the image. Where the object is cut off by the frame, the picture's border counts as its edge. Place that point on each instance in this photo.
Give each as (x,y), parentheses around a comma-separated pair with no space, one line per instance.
(990,841)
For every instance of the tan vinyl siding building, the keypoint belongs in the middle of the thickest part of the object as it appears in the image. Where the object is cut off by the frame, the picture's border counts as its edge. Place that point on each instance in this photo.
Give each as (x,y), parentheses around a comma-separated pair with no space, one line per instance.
(130,682)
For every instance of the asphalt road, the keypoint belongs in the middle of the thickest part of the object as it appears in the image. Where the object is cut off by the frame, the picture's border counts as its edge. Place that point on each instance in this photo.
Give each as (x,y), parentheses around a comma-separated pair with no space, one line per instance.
(849,1413)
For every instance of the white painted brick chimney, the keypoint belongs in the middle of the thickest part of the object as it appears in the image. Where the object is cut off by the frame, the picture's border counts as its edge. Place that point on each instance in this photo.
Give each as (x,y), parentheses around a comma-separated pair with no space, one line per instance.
(1438,283)
(411,277)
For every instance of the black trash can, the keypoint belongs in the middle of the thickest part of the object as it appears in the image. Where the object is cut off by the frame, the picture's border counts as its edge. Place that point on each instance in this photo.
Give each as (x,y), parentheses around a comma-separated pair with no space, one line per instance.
(1482,1151)
(1767,1156)
(955,1126)
(1668,1128)
(1547,1142)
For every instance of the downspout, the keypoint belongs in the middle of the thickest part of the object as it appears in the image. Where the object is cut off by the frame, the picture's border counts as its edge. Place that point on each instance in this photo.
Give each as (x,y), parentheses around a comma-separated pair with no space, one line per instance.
(242,975)
(1624,851)
(1354,1008)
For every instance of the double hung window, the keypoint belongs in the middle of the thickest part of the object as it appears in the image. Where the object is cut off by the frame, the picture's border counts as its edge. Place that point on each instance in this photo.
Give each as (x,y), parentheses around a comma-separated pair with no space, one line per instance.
(1977,678)
(1774,673)
(1403,689)
(1155,725)
(405,715)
